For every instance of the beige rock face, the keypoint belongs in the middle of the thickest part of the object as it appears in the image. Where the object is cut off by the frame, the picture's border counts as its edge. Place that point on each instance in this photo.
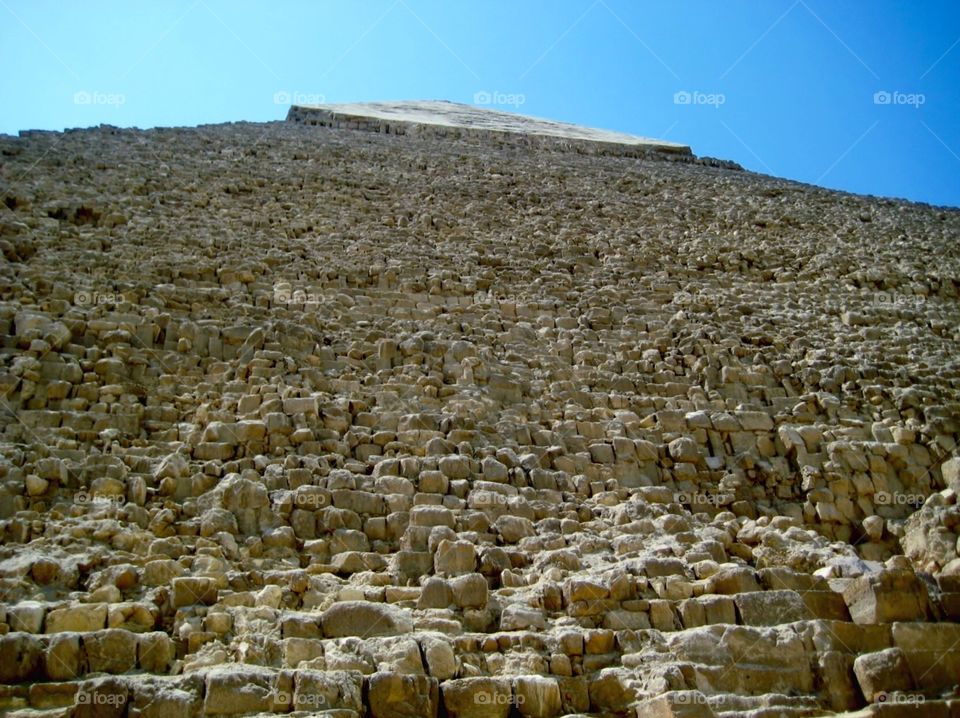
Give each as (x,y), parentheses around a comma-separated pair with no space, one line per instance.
(882,671)
(378,415)
(393,695)
(363,619)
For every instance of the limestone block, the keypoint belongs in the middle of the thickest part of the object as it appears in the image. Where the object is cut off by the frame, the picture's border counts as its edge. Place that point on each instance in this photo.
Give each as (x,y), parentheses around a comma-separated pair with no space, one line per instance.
(886,597)
(684,450)
(26,616)
(63,657)
(363,619)
(236,689)
(732,580)
(882,672)
(517,617)
(454,558)
(156,652)
(469,591)
(439,656)
(105,697)
(676,704)
(930,650)
(113,650)
(319,691)
(21,656)
(537,696)
(514,528)
(396,695)
(479,697)
(494,470)
(80,618)
(771,608)
(190,590)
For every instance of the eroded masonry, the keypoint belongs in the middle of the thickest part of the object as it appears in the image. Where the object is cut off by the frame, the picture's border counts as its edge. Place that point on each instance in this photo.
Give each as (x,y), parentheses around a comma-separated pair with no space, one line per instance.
(321,419)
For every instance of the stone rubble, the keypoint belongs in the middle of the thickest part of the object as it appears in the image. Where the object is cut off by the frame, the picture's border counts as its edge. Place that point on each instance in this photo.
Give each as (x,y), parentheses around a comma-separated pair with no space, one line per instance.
(326,421)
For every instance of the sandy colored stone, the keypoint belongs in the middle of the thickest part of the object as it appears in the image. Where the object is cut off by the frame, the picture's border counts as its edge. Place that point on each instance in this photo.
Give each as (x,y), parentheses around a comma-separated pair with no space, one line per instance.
(408,408)
(363,619)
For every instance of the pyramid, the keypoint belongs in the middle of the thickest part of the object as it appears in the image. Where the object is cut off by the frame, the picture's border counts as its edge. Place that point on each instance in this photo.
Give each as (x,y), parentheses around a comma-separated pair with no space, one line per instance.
(422,409)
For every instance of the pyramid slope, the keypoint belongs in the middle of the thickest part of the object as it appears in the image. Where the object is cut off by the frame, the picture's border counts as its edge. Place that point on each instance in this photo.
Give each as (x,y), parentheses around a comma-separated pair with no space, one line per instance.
(299,420)
(472,118)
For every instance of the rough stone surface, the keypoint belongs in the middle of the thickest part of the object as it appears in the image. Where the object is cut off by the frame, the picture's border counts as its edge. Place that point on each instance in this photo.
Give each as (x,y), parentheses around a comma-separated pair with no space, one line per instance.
(468,414)
(363,619)
(882,672)
(394,695)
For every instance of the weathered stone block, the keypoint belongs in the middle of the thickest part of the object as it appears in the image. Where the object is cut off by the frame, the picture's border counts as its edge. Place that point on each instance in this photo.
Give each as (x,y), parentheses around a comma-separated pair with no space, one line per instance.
(235,689)
(190,590)
(81,618)
(102,698)
(931,652)
(537,696)
(771,608)
(676,704)
(732,580)
(479,697)
(364,619)
(517,617)
(319,691)
(469,591)
(21,656)
(887,597)
(112,650)
(63,658)
(156,652)
(454,558)
(395,695)
(439,657)
(882,672)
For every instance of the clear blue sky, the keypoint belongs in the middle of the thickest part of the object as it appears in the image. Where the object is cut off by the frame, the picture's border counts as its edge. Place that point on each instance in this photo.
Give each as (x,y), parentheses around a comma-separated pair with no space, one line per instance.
(785,87)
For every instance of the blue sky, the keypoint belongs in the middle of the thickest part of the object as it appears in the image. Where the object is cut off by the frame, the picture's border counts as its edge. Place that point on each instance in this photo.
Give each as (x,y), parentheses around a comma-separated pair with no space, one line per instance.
(785,87)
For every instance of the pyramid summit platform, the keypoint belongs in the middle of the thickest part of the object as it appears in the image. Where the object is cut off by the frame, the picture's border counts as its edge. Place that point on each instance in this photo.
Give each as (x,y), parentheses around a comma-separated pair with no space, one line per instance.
(457,120)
